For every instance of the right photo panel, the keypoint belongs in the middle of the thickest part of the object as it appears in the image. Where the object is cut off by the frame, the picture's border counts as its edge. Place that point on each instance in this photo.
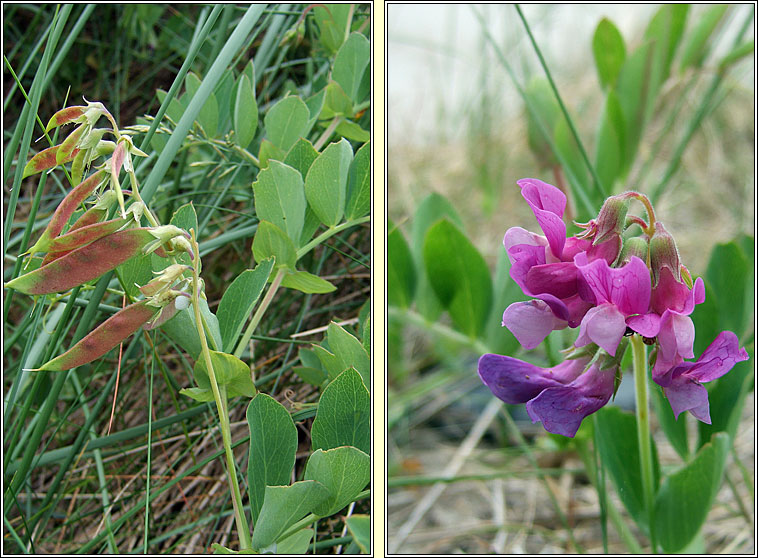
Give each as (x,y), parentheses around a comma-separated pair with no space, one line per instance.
(570,279)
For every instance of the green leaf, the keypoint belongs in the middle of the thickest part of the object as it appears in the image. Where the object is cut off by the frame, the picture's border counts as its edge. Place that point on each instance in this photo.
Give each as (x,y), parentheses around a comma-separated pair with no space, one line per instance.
(745,49)
(301,156)
(609,147)
(459,276)
(315,105)
(686,496)
(666,29)
(349,351)
(353,131)
(245,112)
(359,526)
(183,331)
(617,443)
(208,115)
(280,198)
(307,283)
(287,121)
(231,373)
(270,241)
(203,395)
(633,93)
(609,51)
(332,22)
(344,414)
(352,59)
(540,97)
(727,273)
(401,273)
(697,46)
(313,376)
(269,151)
(675,429)
(326,182)
(134,273)
(273,445)
(175,108)
(239,300)
(359,184)
(283,506)
(336,102)
(433,208)
(344,471)
(296,543)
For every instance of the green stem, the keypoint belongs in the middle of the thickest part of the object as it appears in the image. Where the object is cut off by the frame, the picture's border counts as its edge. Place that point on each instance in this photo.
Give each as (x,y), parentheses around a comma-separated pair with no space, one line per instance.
(239,513)
(259,313)
(639,357)
(331,232)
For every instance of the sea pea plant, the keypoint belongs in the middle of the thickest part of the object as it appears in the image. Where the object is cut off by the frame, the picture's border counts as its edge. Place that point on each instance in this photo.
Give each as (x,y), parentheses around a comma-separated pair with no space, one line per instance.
(607,291)
(618,281)
(304,194)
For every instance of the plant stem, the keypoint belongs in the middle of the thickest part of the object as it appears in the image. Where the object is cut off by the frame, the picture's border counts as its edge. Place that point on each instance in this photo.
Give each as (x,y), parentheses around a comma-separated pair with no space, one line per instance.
(259,313)
(239,513)
(639,357)
(331,232)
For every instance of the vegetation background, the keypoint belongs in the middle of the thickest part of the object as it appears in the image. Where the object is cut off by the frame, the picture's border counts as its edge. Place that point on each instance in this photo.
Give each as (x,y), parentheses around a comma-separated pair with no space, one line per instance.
(461,479)
(122,55)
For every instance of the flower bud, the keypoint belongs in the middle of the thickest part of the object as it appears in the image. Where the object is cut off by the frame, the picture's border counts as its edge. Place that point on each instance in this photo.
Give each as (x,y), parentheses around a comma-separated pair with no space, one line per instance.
(663,253)
(165,278)
(611,219)
(634,246)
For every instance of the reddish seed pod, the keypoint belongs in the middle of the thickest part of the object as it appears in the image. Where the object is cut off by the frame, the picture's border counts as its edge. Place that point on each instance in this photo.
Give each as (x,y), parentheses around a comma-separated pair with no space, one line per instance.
(46,159)
(64,116)
(104,337)
(64,211)
(70,143)
(84,264)
(62,245)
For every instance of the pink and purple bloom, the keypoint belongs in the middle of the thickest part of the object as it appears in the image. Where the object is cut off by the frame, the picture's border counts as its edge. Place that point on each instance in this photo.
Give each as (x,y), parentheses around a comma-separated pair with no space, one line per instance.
(609,287)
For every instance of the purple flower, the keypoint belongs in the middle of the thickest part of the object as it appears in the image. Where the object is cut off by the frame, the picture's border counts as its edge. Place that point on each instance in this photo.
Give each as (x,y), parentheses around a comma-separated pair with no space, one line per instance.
(683,384)
(617,294)
(560,397)
(544,268)
(674,302)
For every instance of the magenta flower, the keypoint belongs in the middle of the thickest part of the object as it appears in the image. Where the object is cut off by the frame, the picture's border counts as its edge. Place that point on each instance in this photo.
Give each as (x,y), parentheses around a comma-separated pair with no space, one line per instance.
(683,384)
(559,397)
(544,268)
(617,294)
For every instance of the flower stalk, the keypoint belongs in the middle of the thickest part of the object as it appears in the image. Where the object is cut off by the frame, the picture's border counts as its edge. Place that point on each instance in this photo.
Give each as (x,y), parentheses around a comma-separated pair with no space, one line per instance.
(223,418)
(639,358)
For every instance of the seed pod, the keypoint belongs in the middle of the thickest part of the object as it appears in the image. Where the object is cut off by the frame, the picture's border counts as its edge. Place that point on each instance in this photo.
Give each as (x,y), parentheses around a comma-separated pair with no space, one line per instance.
(64,116)
(46,159)
(84,264)
(62,245)
(65,210)
(71,142)
(104,337)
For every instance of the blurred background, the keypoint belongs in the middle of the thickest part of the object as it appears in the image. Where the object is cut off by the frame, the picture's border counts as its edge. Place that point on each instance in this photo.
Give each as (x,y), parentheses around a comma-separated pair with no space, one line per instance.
(471,111)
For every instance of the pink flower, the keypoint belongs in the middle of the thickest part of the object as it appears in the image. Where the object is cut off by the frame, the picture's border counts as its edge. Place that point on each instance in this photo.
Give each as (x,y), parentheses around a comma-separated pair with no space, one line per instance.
(560,397)
(683,383)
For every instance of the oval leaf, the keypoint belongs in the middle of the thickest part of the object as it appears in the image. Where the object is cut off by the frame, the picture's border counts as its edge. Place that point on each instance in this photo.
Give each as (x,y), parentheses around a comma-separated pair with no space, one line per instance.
(273,444)
(286,121)
(344,471)
(245,112)
(280,198)
(344,414)
(326,182)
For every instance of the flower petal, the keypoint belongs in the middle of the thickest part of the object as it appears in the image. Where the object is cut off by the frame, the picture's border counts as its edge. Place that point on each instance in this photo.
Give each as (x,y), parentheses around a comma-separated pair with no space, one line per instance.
(719,358)
(603,325)
(627,287)
(530,322)
(561,409)
(515,381)
(557,279)
(647,325)
(687,394)
(548,204)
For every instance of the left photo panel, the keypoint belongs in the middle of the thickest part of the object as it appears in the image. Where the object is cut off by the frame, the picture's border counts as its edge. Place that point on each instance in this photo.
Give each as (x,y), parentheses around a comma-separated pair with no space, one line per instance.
(187,270)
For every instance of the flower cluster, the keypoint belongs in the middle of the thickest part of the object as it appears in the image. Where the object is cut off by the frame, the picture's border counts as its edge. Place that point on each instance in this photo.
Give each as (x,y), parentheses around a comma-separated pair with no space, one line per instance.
(609,285)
